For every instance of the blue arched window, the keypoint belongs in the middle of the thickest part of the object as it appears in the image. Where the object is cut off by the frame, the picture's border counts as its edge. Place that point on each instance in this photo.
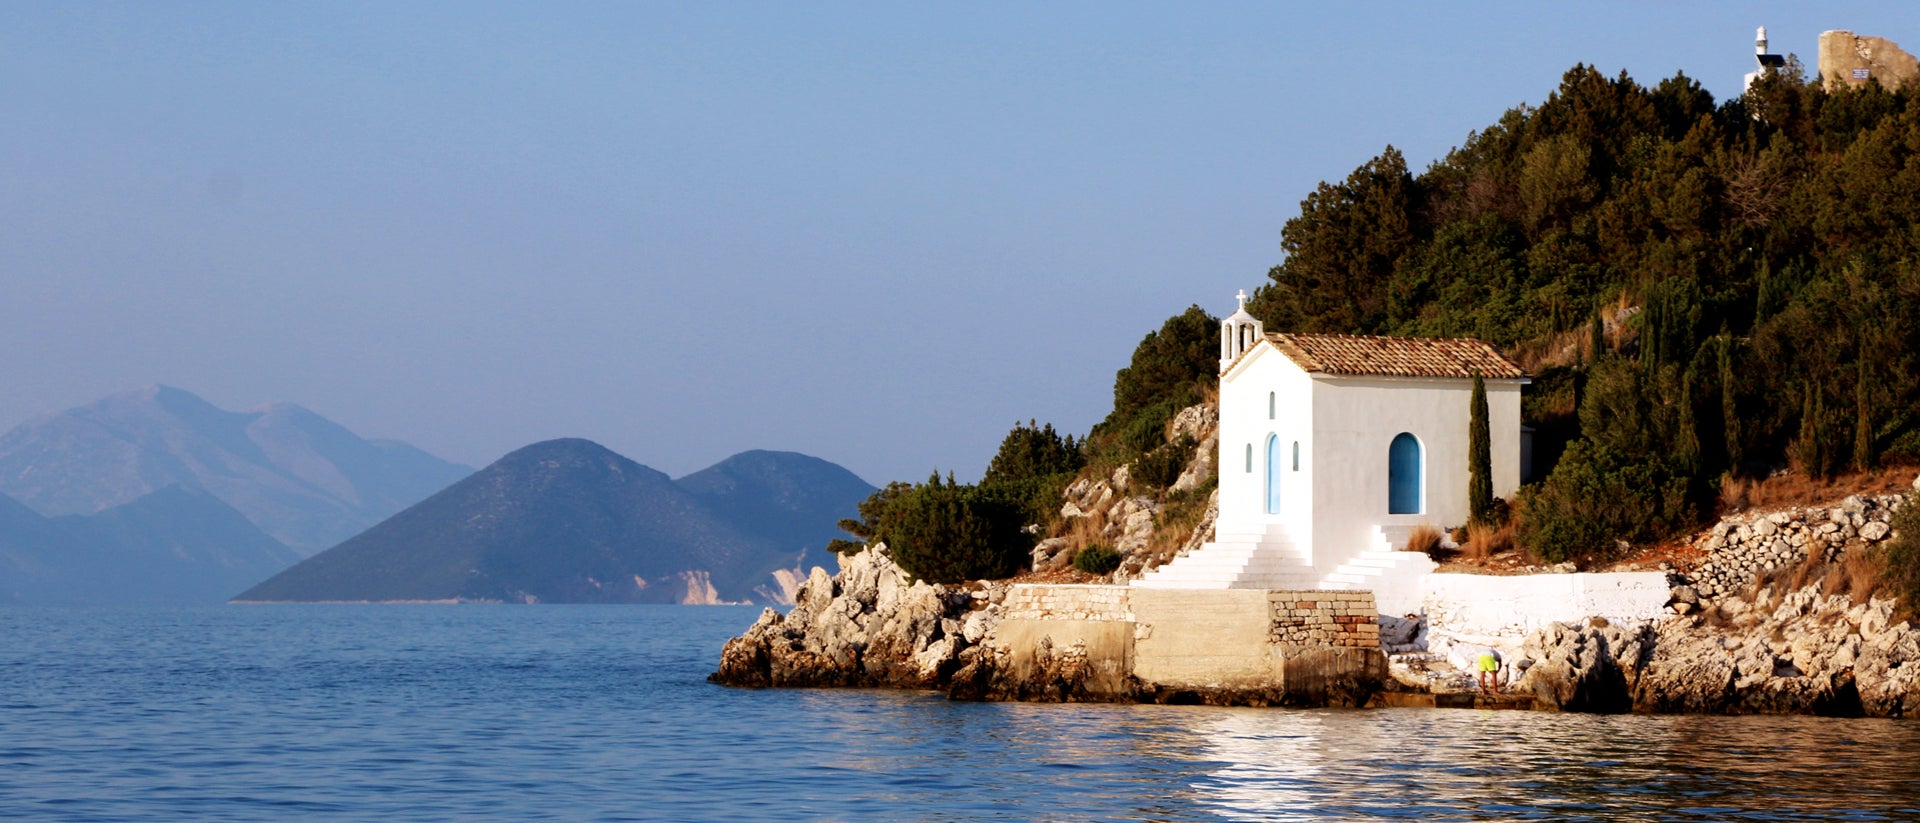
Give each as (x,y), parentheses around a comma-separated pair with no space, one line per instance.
(1403,475)
(1273,474)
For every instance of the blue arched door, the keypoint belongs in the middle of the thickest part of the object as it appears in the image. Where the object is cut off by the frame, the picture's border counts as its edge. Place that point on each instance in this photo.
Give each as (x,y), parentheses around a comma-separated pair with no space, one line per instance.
(1403,475)
(1273,474)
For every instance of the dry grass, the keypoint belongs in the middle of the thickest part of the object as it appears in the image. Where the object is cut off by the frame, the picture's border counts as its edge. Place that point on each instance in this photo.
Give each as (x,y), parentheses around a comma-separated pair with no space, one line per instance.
(1484,540)
(1424,538)
(1858,574)
(1797,489)
(1563,349)
(1089,530)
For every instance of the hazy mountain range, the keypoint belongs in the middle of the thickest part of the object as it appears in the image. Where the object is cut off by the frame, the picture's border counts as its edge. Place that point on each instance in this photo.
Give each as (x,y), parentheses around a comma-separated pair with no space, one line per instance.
(175,545)
(301,478)
(158,496)
(569,521)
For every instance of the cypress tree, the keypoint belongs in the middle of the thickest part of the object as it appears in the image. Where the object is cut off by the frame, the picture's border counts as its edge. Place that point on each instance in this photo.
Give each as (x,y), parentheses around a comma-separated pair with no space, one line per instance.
(1597,342)
(1863,456)
(1479,454)
(1729,411)
(1687,446)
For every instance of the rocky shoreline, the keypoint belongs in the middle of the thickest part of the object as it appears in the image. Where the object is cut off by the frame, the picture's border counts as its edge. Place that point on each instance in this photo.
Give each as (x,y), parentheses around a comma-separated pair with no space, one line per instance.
(1782,648)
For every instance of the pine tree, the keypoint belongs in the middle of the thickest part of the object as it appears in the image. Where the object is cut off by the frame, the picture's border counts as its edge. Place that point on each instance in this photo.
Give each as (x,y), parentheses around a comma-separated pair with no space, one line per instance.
(1479,454)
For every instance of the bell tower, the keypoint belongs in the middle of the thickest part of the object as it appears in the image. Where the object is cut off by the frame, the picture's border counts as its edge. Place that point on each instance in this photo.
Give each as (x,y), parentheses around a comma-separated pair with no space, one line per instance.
(1238,333)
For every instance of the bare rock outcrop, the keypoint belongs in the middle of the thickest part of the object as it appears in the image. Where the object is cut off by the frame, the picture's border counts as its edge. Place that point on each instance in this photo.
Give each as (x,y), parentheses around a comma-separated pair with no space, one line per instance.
(1798,652)
(870,625)
(1590,668)
(1848,59)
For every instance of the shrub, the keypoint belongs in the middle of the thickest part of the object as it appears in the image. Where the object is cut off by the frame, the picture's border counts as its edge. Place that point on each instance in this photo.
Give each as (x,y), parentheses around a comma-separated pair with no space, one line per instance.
(1034,463)
(1160,467)
(1900,561)
(867,528)
(1595,497)
(1487,539)
(949,533)
(1096,560)
(1423,538)
(1032,451)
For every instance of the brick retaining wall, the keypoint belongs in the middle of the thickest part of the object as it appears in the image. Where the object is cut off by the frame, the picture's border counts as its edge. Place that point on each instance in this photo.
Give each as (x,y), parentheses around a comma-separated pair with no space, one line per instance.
(1323,618)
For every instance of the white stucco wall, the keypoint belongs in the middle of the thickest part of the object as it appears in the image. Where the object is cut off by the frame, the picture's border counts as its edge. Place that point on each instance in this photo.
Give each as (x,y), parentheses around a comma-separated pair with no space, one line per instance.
(1244,422)
(1344,426)
(1358,419)
(1511,606)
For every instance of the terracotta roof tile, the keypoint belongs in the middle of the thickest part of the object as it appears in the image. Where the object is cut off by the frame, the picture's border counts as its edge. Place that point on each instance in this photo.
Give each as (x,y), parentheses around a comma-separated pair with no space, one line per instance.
(1359,355)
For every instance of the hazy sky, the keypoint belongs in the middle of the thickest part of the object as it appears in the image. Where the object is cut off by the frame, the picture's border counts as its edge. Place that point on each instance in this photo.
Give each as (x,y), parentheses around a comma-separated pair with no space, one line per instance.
(876,233)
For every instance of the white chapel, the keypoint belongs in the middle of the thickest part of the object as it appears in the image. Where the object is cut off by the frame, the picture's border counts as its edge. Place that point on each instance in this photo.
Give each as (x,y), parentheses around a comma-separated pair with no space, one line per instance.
(1334,447)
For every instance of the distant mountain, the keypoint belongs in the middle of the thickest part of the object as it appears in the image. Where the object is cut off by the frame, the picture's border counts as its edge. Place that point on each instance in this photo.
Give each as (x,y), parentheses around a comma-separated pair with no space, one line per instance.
(301,478)
(790,500)
(568,521)
(174,546)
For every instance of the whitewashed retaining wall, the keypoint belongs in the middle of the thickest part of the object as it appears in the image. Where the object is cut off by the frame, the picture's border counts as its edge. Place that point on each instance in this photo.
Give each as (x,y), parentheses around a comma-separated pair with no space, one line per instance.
(1494,605)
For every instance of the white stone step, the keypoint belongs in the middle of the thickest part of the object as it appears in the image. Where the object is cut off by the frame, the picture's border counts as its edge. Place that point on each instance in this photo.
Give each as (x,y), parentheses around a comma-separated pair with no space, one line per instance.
(1240,561)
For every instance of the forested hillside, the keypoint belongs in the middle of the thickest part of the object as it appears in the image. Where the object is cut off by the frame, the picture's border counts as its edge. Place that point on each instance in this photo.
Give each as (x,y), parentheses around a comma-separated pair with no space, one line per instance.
(1703,290)
(1700,289)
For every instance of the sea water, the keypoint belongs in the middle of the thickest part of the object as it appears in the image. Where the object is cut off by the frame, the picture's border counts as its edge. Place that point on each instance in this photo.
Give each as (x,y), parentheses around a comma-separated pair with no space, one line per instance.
(403,713)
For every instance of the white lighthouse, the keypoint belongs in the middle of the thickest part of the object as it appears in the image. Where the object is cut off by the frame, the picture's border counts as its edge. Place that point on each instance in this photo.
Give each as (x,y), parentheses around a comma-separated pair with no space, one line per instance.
(1763,61)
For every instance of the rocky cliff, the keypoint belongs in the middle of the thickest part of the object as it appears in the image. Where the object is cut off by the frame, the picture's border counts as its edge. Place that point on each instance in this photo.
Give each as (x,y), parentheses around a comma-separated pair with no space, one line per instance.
(1798,651)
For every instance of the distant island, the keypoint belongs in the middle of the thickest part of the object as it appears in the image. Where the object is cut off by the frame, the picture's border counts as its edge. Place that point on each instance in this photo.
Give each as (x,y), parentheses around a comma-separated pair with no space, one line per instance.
(568,521)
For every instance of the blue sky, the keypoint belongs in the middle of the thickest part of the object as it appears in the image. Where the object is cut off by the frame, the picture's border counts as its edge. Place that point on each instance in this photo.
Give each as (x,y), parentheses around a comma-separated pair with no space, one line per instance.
(877,233)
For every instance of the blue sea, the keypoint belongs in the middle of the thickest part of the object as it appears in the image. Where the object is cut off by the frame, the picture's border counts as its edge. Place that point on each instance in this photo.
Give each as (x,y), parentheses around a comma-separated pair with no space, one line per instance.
(407,713)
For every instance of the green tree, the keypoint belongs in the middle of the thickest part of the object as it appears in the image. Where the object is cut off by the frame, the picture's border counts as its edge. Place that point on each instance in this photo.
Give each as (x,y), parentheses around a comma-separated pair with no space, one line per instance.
(1864,458)
(1479,454)
(1729,406)
(1033,464)
(943,532)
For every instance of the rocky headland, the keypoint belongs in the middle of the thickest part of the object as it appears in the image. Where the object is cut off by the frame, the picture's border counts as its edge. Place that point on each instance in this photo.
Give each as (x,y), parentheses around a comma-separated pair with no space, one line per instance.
(1768,622)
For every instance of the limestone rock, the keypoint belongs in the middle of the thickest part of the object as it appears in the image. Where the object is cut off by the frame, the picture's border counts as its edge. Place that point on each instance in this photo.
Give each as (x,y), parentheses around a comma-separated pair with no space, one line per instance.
(870,625)
(1576,668)
(1851,59)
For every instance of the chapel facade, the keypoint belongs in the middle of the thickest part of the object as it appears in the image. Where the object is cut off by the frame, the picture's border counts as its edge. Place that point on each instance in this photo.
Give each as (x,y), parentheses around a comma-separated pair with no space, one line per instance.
(1333,448)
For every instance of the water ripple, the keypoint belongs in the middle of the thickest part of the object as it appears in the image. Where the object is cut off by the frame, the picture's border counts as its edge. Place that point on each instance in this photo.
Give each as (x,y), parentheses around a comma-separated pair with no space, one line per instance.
(601,713)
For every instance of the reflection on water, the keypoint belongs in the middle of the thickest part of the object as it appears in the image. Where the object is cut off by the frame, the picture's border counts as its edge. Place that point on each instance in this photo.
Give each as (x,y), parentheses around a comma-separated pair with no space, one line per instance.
(1476,765)
(431,713)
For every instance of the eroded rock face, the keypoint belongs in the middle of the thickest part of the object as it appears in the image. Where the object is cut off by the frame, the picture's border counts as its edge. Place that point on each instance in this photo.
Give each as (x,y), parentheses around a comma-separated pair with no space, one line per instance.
(871,625)
(1802,652)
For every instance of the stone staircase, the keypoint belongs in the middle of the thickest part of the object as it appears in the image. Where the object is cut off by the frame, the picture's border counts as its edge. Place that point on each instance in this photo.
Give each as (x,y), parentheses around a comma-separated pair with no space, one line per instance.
(1237,560)
(1394,576)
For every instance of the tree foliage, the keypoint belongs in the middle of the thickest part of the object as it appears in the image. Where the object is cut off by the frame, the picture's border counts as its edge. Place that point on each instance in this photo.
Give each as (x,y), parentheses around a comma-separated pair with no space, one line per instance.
(1756,263)
(1033,464)
(1170,370)
(1479,454)
(945,532)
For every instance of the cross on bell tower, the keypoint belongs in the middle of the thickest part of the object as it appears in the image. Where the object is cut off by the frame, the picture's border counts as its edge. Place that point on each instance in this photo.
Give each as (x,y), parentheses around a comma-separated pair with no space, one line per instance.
(1238,332)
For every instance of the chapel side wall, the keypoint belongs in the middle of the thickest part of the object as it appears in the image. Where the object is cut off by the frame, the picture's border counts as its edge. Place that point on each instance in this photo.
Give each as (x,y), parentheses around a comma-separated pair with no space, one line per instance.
(1359,418)
(1244,423)
(1503,428)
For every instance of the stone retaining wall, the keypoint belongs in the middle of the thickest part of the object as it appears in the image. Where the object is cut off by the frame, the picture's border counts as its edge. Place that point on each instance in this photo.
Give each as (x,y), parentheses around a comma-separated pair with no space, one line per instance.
(1323,618)
(1062,601)
(1739,549)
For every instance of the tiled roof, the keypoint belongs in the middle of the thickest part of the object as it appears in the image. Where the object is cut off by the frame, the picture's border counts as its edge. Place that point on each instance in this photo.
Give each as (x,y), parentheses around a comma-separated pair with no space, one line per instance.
(1358,355)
